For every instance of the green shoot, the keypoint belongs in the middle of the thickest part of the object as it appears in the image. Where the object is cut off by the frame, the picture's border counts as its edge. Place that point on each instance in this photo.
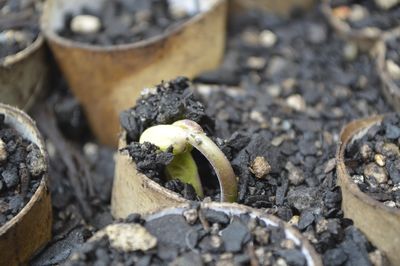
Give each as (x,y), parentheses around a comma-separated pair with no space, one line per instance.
(182,136)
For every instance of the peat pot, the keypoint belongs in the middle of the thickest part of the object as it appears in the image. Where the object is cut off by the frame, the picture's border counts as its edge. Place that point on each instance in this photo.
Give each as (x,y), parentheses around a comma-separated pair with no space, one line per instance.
(230,209)
(30,229)
(133,191)
(381,224)
(108,79)
(24,75)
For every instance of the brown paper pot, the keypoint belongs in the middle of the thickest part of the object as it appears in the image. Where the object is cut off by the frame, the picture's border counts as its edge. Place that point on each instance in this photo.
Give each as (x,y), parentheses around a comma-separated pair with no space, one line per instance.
(133,192)
(24,75)
(389,87)
(108,79)
(276,7)
(365,38)
(235,209)
(30,229)
(379,223)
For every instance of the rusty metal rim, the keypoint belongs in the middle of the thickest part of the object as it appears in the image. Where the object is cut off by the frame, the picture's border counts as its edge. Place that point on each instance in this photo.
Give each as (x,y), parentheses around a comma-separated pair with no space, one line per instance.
(346,136)
(56,38)
(42,189)
(21,55)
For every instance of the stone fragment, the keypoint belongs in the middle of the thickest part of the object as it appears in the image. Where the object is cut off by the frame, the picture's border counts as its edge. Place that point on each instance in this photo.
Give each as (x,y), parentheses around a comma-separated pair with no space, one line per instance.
(190,215)
(372,170)
(268,38)
(234,235)
(3,151)
(130,237)
(296,102)
(380,159)
(295,174)
(35,161)
(386,4)
(260,167)
(85,24)
(366,151)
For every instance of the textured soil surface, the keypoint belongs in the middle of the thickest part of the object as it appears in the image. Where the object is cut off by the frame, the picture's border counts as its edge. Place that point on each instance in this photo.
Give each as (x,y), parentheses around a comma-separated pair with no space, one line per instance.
(197,237)
(123,21)
(368,13)
(374,161)
(22,167)
(19,26)
(293,85)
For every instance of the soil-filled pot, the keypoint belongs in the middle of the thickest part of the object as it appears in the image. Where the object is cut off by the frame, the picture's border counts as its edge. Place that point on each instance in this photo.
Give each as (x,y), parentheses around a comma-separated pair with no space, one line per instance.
(276,7)
(26,207)
(108,79)
(23,57)
(379,221)
(210,233)
(364,22)
(157,164)
(388,67)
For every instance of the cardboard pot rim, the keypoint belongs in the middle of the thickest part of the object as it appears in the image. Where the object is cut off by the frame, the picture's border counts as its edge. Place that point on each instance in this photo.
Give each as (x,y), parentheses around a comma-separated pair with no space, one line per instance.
(312,257)
(30,125)
(51,35)
(24,53)
(346,136)
(151,184)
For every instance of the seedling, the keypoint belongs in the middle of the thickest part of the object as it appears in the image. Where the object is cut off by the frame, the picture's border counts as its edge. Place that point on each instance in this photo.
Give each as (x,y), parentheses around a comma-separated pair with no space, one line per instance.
(182,136)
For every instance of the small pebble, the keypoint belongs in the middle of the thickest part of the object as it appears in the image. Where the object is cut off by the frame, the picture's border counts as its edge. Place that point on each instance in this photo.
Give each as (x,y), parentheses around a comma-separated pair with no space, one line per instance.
(357,13)
(296,102)
(3,151)
(379,159)
(386,4)
(376,172)
(390,203)
(260,167)
(268,38)
(85,24)
(256,63)
(191,216)
(358,179)
(366,151)
(296,175)
(350,51)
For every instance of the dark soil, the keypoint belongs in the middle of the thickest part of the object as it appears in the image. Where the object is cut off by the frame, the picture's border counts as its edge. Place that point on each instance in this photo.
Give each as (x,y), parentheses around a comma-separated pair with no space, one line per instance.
(19,26)
(366,13)
(123,21)
(374,161)
(185,240)
(22,166)
(393,59)
(295,95)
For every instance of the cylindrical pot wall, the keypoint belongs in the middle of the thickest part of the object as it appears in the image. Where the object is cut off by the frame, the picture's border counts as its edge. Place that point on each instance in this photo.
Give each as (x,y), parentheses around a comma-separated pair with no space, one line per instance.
(134,192)
(108,79)
(24,75)
(30,229)
(381,224)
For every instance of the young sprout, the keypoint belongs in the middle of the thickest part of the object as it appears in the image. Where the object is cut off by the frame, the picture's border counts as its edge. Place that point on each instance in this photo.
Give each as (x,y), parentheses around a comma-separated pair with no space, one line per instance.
(182,136)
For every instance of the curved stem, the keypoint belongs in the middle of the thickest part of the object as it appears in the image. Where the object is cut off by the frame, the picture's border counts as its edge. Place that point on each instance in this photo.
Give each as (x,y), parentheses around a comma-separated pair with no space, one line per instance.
(221,165)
